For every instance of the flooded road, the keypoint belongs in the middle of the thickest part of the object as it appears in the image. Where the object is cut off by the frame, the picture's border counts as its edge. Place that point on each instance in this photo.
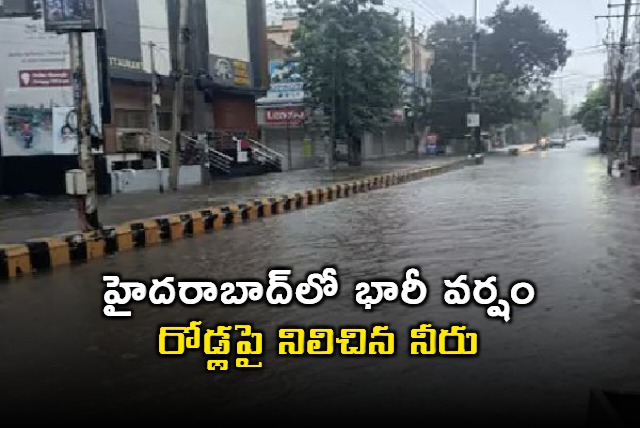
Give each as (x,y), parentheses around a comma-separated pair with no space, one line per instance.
(33,216)
(553,218)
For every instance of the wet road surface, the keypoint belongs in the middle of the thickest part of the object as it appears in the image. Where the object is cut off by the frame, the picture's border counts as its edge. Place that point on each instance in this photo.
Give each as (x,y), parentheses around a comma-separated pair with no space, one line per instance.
(553,218)
(29,217)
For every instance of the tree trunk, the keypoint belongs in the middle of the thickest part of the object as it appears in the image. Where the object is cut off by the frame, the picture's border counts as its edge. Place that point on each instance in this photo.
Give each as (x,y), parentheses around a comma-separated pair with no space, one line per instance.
(355,146)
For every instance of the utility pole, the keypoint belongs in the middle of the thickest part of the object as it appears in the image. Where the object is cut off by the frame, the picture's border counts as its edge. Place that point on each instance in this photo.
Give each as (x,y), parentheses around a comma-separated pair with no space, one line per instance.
(562,124)
(414,109)
(615,125)
(474,80)
(87,204)
(178,94)
(155,103)
(334,109)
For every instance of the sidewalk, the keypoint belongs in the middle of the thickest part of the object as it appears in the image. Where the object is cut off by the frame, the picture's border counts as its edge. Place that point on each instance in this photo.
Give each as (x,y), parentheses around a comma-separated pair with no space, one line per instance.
(33,217)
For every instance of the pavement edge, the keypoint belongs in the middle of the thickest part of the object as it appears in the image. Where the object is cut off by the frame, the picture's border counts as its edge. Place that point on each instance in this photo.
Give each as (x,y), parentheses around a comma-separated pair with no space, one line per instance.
(46,254)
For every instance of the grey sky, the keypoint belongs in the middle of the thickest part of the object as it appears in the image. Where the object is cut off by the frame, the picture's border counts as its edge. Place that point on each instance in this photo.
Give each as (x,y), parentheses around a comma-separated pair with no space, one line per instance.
(575,16)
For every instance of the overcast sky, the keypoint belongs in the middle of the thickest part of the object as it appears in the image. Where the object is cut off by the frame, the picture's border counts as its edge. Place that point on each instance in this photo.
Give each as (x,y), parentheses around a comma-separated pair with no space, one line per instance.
(577,17)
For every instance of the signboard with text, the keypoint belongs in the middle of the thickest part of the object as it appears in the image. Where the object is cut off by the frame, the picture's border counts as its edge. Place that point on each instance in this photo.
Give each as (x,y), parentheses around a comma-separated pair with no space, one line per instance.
(44,78)
(473,120)
(284,116)
(285,80)
(63,16)
(229,71)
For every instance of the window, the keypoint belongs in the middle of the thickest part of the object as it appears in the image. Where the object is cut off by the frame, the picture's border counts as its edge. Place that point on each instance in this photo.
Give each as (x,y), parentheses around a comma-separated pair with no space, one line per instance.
(164,121)
(131,119)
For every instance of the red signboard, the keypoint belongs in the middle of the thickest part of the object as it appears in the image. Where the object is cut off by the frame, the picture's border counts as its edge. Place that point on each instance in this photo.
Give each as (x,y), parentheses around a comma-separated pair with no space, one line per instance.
(282,116)
(44,78)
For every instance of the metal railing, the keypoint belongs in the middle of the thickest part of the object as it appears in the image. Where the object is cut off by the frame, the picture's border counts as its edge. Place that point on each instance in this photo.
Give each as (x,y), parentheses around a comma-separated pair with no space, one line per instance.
(192,152)
(214,158)
(264,154)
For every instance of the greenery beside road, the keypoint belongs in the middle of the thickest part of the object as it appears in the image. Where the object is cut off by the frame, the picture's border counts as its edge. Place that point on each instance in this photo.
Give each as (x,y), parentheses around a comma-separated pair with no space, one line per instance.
(351,54)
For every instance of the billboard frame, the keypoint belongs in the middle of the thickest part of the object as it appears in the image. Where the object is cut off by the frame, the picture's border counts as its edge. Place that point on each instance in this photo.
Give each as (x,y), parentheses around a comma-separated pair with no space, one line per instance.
(85,24)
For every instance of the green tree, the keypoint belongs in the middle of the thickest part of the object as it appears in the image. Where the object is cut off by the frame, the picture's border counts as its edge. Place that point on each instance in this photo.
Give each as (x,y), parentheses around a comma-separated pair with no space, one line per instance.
(522,46)
(351,59)
(515,59)
(450,41)
(590,112)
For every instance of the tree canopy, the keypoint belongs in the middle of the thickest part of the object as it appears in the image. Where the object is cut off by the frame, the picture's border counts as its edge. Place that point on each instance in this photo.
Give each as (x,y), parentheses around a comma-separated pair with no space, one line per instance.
(517,53)
(590,112)
(351,58)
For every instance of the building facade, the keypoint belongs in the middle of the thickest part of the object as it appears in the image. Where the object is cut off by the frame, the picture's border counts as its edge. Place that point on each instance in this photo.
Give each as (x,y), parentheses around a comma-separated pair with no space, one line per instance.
(225,71)
(288,125)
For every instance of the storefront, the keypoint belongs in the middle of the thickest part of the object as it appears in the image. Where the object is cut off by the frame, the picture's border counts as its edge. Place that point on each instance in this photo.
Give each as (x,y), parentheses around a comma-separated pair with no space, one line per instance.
(285,129)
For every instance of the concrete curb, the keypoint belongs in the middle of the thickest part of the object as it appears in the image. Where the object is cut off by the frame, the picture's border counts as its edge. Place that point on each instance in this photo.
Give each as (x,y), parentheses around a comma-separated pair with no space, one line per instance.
(45,254)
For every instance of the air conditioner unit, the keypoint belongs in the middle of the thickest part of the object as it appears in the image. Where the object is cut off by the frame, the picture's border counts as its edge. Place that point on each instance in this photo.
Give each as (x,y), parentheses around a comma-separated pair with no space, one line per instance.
(132,141)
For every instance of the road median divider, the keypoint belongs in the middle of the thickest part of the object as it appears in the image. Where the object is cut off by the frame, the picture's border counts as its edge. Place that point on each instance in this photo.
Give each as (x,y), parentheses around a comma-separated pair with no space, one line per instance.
(45,254)
(192,223)
(171,228)
(15,261)
(84,247)
(48,253)
(145,233)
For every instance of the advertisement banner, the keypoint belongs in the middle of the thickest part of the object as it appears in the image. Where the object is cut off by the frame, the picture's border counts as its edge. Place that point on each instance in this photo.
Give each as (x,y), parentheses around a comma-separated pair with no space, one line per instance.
(44,78)
(285,80)
(64,138)
(36,88)
(71,15)
(229,71)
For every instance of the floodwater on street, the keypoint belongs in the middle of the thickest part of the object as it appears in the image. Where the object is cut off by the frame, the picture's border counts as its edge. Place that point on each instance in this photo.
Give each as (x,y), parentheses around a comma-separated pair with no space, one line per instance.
(553,218)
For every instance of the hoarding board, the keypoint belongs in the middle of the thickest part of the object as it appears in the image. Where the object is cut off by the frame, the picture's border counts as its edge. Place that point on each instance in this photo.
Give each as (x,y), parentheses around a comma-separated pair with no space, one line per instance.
(63,16)
(36,88)
(229,71)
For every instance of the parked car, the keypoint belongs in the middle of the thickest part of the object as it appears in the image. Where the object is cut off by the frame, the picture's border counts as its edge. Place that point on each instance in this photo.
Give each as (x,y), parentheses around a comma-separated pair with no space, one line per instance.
(557,142)
(581,137)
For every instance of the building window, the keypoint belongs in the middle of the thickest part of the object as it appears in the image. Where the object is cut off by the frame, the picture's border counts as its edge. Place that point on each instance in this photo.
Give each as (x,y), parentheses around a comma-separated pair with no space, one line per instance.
(131,119)
(164,121)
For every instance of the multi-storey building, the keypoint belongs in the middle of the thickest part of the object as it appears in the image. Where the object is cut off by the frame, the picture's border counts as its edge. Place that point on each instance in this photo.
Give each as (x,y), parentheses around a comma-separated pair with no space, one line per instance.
(225,71)
(285,118)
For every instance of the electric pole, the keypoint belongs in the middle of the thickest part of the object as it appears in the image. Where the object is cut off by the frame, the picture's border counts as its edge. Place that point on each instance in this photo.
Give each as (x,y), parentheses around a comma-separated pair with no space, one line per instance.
(178,94)
(474,81)
(87,204)
(615,124)
(562,124)
(414,107)
(155,103)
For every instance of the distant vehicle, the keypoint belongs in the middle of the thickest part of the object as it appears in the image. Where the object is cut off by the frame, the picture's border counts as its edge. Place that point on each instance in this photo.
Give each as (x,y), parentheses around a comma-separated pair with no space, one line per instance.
(581,137)
(557,142)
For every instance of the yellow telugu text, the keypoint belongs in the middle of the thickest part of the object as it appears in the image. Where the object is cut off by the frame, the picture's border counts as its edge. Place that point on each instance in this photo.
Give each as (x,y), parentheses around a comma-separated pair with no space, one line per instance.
(215,342)
(240,345)
(379,340)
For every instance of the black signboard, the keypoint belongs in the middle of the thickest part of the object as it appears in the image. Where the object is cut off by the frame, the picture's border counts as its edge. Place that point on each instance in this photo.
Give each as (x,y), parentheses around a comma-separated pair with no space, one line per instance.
(62,16)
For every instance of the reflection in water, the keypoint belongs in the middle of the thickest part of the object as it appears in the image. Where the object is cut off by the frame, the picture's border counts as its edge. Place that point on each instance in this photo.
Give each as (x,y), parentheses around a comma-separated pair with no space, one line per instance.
(555,219)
